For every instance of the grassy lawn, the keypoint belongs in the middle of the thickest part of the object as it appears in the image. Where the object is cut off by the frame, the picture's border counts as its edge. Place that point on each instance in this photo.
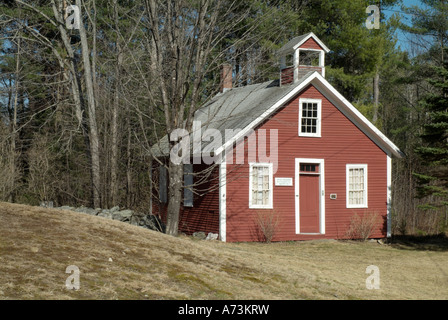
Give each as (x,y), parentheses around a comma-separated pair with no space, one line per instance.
(120,261)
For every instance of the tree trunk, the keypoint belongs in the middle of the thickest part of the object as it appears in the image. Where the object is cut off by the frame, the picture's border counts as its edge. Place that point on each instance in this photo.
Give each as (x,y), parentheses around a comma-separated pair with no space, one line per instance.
(129,189)
(376,96)
(114,125)
(93,131)
(114,146)
(12,159)
(72,75)
(175,173)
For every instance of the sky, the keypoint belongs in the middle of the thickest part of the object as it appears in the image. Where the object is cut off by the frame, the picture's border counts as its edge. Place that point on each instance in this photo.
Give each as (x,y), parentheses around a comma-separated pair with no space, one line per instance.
(404,38)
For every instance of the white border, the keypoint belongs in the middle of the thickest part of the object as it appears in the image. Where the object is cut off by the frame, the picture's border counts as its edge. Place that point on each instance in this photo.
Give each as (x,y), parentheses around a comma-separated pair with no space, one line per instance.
(321,163)
(366,192)
(319,118)
(270,166)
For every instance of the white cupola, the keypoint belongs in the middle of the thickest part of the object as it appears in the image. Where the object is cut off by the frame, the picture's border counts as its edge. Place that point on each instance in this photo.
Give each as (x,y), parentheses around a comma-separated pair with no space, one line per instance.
(301,55)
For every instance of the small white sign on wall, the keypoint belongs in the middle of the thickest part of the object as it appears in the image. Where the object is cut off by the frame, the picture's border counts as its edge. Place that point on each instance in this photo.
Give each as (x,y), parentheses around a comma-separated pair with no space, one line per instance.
(286,182)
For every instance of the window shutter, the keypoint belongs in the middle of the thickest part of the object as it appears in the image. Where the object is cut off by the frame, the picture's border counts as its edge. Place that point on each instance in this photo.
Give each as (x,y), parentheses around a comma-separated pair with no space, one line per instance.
(188,185)
(163,194)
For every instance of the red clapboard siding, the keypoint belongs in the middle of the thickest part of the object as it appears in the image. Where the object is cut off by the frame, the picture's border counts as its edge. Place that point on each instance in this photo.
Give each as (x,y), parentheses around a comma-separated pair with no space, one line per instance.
(341,143)
(204,215)
(311,44)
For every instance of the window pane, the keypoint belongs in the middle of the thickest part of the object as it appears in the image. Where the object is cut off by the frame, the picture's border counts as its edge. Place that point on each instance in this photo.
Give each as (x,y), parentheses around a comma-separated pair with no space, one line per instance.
(309,117)
(260,185)
(356,186)
(308,129)
(309,167)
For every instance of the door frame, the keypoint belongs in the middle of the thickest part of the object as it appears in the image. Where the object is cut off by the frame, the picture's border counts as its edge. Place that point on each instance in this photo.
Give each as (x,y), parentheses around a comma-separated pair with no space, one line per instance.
(321,174)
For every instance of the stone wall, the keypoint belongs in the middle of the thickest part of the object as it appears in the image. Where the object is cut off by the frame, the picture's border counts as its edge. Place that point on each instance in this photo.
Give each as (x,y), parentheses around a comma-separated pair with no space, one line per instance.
(128,216)
(132,217)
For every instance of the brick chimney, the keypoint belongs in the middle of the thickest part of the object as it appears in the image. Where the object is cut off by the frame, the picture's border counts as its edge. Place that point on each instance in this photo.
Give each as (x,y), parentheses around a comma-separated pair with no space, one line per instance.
(226,77)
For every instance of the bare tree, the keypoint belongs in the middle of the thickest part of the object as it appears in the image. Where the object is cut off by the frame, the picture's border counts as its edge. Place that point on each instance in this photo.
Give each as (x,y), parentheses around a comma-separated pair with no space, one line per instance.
(185,42)
(93,130)
(132,73)
(85,112)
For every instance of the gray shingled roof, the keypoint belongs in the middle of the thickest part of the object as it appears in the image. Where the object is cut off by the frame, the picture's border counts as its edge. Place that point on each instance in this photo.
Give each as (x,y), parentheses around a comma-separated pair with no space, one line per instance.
(235,109)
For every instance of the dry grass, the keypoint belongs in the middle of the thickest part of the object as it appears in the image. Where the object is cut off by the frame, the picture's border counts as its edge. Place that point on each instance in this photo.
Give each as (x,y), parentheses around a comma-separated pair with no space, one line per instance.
(37,245)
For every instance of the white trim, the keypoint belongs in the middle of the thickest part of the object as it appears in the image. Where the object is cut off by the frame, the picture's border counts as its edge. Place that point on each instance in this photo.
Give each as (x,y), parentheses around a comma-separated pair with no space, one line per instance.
(321,163)
(270,166)
(295,64)
(321,56)
(389,196)
(339,101)
(366,194)
(222,198)
(322,62)
(309,49)
(320,43)
(264,115)
(297,61)
(355,116)
(319,118)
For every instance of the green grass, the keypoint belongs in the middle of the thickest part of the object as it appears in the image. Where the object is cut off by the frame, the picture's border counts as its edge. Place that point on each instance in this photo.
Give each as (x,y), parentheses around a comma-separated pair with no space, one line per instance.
(37,245)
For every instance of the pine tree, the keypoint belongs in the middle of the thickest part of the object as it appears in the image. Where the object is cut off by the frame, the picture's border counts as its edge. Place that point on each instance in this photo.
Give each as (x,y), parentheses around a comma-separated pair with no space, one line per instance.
(434,152)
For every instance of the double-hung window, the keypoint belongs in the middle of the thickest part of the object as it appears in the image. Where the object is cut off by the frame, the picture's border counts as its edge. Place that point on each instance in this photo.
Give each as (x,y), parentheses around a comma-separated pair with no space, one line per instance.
(260,185)
(356,186)
(310,117)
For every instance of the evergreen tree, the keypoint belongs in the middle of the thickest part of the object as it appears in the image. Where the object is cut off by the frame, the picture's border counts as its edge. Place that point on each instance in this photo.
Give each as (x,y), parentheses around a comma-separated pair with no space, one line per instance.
(430,27)
(434,151)
(358,55)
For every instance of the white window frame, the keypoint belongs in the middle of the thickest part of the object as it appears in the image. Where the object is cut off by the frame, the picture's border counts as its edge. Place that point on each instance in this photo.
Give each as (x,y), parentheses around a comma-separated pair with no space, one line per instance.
(357,166)
(271,185)
(321,56)
(317,134)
